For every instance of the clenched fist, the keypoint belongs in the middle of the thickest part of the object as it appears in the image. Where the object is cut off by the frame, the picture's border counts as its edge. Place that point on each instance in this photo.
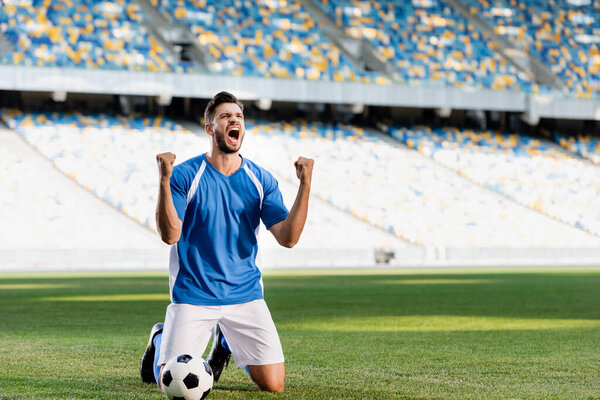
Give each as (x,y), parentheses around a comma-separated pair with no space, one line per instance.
(304,167)
(165,163)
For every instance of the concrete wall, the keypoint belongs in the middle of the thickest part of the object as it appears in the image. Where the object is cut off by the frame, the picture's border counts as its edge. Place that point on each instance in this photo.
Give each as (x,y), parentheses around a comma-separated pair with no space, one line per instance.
(119,259)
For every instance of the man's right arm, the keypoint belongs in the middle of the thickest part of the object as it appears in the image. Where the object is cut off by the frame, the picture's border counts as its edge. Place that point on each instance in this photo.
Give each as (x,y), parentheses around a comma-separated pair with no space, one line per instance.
(167,221)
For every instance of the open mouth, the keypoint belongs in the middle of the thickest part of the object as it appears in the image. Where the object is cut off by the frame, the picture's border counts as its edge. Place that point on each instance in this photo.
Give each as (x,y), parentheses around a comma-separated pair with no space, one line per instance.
(234,133)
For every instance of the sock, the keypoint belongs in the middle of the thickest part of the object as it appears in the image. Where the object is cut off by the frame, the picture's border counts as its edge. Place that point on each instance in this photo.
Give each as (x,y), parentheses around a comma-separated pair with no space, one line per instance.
(157,339)
(247,371)
(224,343)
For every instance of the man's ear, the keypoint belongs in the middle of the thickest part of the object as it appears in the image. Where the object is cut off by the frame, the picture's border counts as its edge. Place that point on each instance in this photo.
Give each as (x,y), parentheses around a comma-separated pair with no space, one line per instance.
(209,129)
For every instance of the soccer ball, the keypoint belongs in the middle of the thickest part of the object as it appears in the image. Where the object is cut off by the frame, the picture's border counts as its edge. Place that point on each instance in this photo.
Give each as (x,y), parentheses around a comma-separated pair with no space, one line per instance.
(187,378)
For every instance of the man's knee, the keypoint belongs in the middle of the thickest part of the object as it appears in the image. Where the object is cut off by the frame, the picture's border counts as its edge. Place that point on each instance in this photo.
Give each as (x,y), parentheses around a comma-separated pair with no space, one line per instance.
(273,385)
(270,378)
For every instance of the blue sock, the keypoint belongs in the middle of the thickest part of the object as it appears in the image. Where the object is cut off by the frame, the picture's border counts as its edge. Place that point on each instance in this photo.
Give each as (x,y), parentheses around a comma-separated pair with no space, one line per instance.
(224,343)
(247,371)
(157,339)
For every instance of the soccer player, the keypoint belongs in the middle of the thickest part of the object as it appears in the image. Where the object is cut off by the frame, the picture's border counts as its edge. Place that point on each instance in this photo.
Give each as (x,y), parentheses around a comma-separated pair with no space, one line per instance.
(209,209)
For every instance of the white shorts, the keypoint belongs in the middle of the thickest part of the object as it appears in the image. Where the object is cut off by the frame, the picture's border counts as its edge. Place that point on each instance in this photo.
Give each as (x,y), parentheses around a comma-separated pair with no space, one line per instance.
(247,327)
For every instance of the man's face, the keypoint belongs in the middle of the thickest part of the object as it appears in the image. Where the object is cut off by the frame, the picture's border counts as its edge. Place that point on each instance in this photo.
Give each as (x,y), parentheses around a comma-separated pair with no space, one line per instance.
(228,127)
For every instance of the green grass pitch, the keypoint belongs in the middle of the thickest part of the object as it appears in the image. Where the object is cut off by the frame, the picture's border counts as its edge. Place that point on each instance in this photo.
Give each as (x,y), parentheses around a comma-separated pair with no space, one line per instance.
(347,334)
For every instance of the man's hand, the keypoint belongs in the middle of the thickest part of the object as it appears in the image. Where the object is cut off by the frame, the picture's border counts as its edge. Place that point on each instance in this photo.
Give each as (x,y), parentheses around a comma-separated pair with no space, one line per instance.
(304,167)
(165,163)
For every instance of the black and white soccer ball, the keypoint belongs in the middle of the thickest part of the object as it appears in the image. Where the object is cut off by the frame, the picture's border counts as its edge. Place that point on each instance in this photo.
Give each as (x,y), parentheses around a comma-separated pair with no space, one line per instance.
(187,378)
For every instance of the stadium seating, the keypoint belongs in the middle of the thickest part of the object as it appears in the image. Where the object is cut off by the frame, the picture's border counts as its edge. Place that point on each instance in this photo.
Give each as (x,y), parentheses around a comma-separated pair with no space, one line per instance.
(80,33)
(114,157)
(400,191)
(428,42)
(532,172)
(561,33)
(277,38)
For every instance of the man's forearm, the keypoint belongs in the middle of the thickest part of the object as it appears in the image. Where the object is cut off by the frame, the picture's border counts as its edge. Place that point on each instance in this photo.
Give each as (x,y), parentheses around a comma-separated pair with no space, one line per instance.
(167,220)
(294,223)
(288,231)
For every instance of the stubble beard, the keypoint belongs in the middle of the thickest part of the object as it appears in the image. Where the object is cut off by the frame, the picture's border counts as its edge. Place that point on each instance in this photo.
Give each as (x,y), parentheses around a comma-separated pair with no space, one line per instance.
(223,146)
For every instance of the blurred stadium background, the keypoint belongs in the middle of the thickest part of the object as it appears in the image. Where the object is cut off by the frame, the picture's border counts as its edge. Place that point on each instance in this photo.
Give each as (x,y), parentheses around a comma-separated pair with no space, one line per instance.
(445,132)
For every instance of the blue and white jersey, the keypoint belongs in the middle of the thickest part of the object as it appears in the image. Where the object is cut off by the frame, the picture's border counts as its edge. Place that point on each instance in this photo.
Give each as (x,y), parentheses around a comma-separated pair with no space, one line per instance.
(214,261)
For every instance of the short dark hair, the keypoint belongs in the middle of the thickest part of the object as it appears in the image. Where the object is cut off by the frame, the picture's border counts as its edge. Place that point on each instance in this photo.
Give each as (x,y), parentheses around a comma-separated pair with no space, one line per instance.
(219,98)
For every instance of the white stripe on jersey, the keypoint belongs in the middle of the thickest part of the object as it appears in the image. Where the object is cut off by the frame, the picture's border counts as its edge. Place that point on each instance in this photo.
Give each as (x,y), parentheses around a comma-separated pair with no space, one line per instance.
(258,259)
(195,183)
(256,183)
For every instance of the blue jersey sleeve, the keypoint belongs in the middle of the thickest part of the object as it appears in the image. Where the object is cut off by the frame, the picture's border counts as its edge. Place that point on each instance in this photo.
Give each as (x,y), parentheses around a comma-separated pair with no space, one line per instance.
(273,209)
(179,189)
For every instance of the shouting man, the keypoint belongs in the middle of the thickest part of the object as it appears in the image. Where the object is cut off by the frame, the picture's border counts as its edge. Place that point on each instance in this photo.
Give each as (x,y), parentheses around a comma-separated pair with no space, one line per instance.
(209,209)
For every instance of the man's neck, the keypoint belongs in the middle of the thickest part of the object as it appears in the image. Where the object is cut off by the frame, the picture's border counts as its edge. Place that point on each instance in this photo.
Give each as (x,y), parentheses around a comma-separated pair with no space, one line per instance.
(226,164)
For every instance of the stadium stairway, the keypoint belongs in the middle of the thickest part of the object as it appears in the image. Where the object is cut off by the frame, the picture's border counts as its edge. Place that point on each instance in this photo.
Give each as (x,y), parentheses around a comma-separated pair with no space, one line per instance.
(56,224)
(176,37)
(359,51)
(154,23)
(524,61)
(561,35)
(5,45)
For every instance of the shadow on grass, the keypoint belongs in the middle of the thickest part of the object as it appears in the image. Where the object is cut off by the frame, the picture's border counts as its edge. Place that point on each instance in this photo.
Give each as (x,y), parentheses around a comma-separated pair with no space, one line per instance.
(536,295)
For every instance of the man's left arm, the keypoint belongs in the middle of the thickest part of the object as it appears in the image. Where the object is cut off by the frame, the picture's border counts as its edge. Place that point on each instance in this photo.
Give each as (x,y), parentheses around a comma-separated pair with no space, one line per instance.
(287,232)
